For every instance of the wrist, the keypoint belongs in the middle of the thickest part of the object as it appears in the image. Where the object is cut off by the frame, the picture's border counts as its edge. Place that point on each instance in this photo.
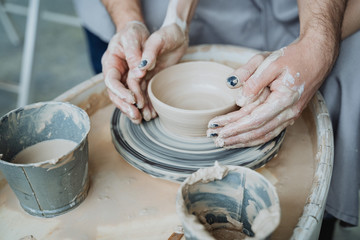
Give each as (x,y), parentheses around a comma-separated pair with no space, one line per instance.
(123,11)
(322,44)
(133,23)
(180,13)
(171,19)
(320,23)
(128,20)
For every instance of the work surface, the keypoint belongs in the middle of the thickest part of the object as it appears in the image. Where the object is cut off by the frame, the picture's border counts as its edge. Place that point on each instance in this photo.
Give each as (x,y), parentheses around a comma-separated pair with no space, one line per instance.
(125,203)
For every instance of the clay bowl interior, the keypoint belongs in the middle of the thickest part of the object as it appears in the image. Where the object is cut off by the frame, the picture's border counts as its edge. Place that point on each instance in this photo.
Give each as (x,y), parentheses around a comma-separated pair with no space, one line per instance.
(227,202)
(187,95)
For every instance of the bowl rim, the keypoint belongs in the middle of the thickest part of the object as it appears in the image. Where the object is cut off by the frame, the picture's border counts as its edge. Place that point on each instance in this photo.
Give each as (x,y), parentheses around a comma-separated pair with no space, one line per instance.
(152,96)
(69,105)
(215,173)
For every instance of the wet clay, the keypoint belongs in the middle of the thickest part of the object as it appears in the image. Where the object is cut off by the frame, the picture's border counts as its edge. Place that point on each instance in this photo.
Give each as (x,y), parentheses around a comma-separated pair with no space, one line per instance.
(187,95)
(125,203)
(224,234)
(251,200)
(43,151)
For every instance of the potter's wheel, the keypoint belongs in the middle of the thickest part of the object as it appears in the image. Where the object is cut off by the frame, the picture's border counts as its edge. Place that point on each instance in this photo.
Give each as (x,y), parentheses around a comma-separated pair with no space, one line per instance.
(152,149)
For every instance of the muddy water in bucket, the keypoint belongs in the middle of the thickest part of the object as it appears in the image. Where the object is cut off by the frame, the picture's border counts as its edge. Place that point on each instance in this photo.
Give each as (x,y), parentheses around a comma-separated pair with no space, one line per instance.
(44,156)
(227,202)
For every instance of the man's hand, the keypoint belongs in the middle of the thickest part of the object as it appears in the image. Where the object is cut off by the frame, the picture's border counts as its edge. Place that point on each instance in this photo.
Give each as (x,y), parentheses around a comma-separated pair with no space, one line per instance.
(273,90)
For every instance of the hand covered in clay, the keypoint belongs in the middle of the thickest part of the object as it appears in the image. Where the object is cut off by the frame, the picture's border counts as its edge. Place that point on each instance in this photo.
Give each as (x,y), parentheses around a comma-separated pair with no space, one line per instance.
(132,58)
(162,49)
(120,63)
(274,88)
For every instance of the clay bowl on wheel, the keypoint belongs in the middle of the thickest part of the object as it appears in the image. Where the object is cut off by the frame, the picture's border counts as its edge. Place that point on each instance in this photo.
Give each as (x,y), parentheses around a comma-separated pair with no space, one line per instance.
(187,95)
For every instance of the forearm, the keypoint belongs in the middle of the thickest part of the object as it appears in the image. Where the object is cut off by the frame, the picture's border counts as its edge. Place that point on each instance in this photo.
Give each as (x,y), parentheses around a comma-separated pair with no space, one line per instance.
(351,22)
(123,11)
(321,21)
(180,12)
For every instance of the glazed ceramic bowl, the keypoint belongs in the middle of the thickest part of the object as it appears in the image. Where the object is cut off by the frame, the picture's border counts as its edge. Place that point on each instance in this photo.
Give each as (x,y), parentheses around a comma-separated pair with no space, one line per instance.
(227,202)
(187,95)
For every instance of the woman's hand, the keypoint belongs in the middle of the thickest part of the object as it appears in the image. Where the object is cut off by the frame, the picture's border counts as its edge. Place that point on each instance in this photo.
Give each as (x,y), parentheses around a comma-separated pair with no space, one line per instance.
(120,65)
(163,48)
(133,56)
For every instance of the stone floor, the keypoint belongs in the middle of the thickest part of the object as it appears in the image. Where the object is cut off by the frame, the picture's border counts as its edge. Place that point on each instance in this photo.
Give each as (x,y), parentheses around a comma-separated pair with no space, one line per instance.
(60,63)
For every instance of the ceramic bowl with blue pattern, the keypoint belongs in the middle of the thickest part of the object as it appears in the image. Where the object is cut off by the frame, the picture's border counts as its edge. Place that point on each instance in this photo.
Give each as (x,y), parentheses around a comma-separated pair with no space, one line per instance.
(227,202)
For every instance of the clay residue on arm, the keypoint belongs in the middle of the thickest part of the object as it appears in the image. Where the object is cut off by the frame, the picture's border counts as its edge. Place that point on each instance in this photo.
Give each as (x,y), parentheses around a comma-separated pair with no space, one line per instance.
(180,12)
(123,11)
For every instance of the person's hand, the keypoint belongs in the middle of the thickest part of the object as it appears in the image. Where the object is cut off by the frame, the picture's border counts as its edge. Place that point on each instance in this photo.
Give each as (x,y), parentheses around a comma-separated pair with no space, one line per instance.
(132,58)
(163,48)
(120,62)
(273,90)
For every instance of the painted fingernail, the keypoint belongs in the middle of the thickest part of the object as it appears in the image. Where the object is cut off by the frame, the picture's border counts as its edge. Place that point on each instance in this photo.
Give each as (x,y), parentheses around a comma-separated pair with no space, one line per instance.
(213,135)
(232,81)
(213,125)
(139,105)
(143,63)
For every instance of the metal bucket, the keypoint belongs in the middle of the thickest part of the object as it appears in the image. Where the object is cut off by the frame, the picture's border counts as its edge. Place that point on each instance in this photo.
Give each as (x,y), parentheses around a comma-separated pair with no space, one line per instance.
(47,188)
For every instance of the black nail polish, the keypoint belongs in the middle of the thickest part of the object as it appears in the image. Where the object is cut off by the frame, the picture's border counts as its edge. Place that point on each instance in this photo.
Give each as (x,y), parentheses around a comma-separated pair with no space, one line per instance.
(143,63)
(213,134)
(232,81)
(214,125)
